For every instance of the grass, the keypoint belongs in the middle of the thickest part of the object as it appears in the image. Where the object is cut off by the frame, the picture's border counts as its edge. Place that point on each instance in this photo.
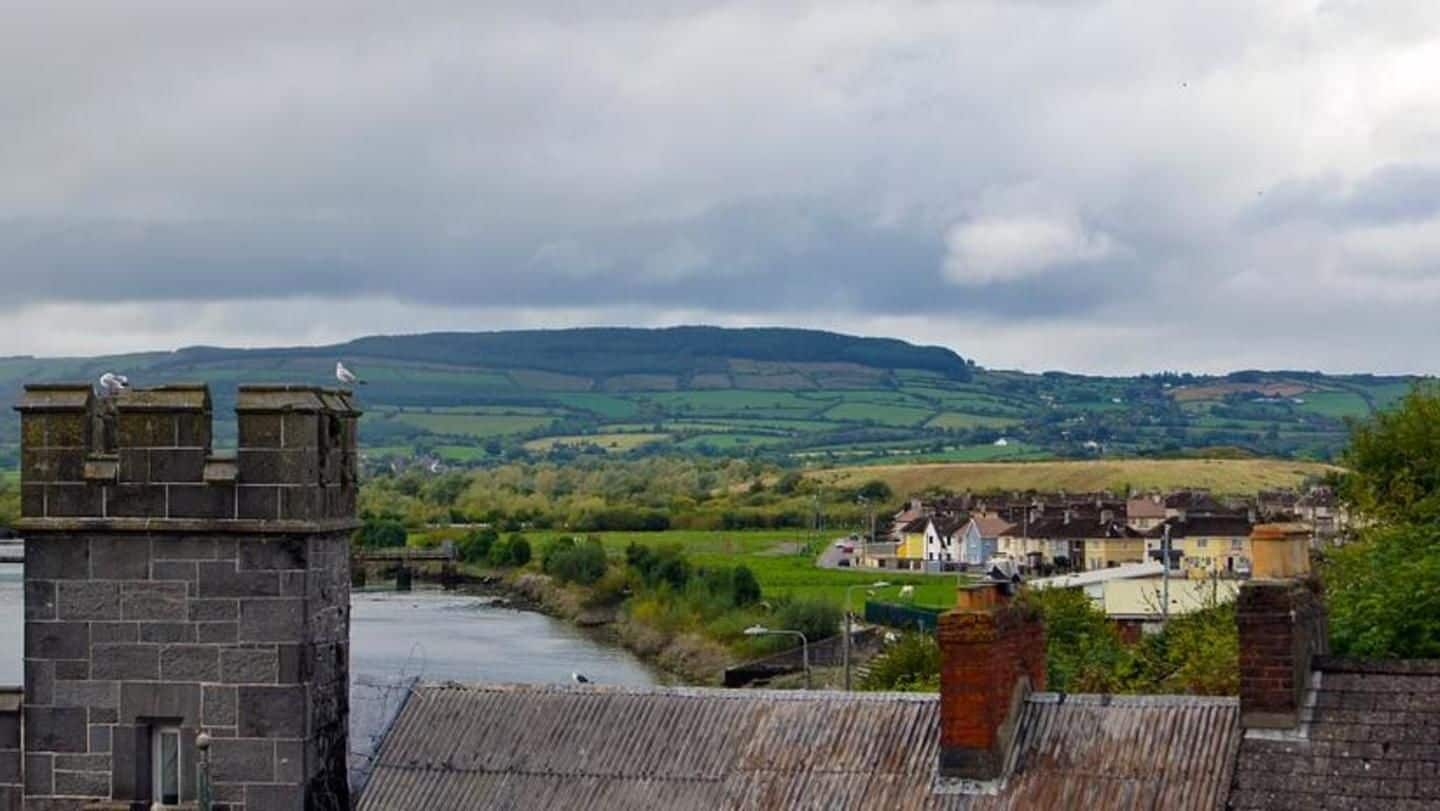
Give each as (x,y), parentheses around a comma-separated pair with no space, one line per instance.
(1335,404)
(611,443)
(794,575)
(1224,476)
(897,415)
(953,419)
(729,441)
(476,425)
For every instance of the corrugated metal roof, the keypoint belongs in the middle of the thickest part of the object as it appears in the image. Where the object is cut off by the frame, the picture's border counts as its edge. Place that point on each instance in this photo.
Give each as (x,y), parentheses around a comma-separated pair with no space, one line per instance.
(530,746)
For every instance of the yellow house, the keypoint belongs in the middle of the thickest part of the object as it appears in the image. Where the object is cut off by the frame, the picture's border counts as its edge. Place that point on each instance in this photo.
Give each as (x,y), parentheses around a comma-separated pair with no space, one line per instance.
(1209,544)
(1105,553)
(911,545)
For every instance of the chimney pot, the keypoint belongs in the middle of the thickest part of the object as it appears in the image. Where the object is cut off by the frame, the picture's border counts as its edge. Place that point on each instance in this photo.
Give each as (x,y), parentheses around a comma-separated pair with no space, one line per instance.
(1279,551)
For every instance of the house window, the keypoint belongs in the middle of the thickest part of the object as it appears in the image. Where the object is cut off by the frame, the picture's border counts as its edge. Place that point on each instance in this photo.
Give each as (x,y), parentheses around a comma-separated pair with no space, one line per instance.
(1237,543)
(1202,543)
(165,773)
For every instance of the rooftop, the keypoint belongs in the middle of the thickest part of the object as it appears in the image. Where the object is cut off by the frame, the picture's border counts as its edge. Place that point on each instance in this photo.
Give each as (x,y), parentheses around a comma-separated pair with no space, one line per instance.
(531,746)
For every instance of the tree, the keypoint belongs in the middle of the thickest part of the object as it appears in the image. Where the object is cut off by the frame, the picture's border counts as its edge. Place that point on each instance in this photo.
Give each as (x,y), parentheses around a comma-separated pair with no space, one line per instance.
(1383,593)
(817,619)
(9,503)
(500,553)
(744,587)
(875,490)
(911,664)
(475,546)
(519,550)
(380,532)
(1394,461)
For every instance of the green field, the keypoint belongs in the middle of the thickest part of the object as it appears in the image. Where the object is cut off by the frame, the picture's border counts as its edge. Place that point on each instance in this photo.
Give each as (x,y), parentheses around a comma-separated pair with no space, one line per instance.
(952,419)
(1335,404)
(610,443)
(477,425)
(898,415)
(779,574)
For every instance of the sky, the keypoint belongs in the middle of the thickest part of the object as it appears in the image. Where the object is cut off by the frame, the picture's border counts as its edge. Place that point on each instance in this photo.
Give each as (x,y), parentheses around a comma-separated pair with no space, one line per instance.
(1105,187)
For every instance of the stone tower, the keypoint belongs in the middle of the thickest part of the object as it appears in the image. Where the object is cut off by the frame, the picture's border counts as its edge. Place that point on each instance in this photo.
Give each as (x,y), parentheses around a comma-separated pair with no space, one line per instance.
(170,591)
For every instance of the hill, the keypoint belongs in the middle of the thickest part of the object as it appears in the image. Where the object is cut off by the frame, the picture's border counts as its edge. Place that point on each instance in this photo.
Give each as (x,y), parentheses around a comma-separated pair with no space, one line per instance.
(785,394)
(1220,476)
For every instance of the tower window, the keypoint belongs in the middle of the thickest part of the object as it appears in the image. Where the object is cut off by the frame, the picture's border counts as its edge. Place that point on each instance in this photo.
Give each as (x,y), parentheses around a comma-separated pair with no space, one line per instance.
(165,767)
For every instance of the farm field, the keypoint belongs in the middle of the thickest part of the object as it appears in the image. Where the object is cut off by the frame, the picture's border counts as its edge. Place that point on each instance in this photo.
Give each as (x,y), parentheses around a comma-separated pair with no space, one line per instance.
(778,573)
(475,425)
(610,443)
(1222,476)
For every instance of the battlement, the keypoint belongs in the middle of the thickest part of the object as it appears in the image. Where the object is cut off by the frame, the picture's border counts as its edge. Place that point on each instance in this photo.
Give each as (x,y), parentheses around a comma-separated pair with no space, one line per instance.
(144,459)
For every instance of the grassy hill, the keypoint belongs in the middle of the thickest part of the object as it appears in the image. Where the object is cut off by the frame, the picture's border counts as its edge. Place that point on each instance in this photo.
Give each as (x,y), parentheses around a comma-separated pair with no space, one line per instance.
(793,395)
(1221,476)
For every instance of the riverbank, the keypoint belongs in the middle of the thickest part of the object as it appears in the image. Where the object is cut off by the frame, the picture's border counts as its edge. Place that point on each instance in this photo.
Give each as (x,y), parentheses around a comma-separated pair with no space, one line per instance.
(676,658)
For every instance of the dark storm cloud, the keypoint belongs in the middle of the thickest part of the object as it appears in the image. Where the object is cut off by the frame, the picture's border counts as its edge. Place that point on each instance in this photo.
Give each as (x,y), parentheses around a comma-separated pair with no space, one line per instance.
(1112,173)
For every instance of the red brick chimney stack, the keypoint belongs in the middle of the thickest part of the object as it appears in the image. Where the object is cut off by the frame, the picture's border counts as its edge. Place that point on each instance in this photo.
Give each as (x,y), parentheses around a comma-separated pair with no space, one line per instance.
(992,655)
(1281,620)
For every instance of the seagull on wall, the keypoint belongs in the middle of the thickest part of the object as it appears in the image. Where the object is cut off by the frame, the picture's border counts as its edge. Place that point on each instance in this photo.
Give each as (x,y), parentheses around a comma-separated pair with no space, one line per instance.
(345,376)
(112,384)
(579,678)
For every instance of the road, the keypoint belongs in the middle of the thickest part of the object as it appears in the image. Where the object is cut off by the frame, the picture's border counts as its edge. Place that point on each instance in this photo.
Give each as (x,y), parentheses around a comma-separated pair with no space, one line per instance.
(831,557)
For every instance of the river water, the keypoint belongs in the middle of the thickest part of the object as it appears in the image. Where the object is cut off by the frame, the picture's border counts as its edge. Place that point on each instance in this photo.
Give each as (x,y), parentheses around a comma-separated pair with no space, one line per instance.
(398,638)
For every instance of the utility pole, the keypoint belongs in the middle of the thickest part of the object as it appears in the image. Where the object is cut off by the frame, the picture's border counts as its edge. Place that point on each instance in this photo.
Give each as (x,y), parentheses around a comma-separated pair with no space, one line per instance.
(1165,578)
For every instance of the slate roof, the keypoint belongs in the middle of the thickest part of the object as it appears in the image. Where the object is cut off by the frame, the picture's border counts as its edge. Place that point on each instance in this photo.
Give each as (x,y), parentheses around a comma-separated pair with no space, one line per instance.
(532,746)
(1144,508)
(1370,739)
(1080,527)
(1204,526)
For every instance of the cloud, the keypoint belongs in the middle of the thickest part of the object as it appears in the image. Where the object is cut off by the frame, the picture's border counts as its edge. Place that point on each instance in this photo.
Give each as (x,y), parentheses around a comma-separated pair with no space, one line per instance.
(1028,169)
(1002,249)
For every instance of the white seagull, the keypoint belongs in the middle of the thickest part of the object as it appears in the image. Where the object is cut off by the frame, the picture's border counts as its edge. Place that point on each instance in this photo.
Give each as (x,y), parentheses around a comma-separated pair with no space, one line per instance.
(346,376)
(579,679)
(112,384)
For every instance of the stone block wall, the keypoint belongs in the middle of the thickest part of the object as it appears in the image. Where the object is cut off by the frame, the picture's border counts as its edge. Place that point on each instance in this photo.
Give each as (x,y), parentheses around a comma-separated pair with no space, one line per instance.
(167,586)
(244,638)
(12,781)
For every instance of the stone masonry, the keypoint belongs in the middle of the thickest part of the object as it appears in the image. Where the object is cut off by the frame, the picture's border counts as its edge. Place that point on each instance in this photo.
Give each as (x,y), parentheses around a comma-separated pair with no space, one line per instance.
(166,586)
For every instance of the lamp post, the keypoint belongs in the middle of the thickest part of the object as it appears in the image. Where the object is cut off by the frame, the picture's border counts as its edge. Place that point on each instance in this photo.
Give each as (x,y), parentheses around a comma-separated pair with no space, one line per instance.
(203,799)
(845,646)
(760,630)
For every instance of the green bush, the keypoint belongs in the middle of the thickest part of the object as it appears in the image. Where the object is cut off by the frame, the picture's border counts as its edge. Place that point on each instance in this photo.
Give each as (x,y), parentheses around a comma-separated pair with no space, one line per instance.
(519,550)
(380,532)
(816,619)
(475,546)
(912,664)
(500,553)
(569,562)
(1383,592)
(744,588)
(1083,651)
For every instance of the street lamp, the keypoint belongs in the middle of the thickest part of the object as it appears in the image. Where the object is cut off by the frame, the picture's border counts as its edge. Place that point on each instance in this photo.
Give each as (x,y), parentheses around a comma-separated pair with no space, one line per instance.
(879,584)
(760,630)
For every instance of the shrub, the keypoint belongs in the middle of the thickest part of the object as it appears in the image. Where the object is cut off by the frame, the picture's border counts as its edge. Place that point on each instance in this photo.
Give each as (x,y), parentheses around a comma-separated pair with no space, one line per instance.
(500,553)
(475,546)
(380,532)
(519,550)
(912,663)
(570,562)
(816,619)
(744,588)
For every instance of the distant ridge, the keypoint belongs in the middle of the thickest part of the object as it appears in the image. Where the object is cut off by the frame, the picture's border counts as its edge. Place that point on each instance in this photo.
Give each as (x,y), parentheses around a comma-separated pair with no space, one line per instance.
(605,351)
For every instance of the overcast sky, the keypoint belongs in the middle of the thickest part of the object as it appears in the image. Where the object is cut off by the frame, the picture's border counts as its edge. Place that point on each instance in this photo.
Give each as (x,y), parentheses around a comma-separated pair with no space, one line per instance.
(1093,186)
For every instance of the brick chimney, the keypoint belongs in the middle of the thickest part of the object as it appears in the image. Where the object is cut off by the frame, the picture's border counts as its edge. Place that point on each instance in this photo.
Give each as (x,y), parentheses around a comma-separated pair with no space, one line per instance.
(992,655)
(1281,620)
